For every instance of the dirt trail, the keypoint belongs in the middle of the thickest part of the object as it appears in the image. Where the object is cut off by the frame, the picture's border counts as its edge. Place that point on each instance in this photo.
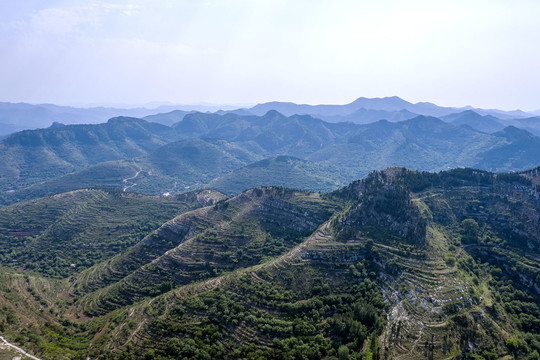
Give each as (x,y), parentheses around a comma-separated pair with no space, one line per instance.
(125,181)
(18,349)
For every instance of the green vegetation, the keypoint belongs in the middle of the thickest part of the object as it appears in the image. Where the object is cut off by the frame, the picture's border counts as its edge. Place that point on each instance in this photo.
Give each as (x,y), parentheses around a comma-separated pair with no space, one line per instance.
(108,174)
(402,264)
(298,321)
(32,156)
(281,171)
(236,233)
(64,234)
(227,152)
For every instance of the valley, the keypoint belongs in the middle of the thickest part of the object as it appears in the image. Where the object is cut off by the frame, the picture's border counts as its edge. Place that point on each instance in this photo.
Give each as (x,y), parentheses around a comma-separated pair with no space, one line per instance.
(269,180)
(253,234)
(231,152)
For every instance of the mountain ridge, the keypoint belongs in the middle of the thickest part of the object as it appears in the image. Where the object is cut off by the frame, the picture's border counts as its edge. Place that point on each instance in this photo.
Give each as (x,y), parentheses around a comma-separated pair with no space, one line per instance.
(137,155)
(393,103)
(447,258)
(21,116)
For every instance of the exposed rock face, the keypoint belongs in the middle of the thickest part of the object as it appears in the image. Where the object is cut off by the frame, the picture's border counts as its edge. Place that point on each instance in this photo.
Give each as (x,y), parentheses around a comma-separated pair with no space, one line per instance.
(274,210)
(385,204)
(398,241)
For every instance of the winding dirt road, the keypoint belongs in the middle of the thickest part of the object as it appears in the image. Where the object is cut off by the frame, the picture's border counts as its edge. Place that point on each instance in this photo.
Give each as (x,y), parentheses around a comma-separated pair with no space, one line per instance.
(18,349)
(127,180)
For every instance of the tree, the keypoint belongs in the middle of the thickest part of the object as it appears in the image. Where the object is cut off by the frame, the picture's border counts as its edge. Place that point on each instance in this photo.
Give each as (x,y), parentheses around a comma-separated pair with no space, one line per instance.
(470,231)
(343,352)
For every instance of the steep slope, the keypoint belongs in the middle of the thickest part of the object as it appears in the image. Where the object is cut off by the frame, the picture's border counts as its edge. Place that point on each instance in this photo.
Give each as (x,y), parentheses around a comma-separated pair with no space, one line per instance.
(428,252)
(236,233)
(190,163)
(531,124)
(401,265)
(215,145)
(519,151)
(422,143)
(29,157)
(199,157)
(64,234)
(225,126)
(443,292)
(487,123)
(110,174)
(175,168)
(273,132)
(282,170)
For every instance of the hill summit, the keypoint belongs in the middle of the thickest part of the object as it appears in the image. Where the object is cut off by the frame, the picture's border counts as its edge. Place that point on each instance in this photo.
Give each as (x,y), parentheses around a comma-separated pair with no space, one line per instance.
(400,264)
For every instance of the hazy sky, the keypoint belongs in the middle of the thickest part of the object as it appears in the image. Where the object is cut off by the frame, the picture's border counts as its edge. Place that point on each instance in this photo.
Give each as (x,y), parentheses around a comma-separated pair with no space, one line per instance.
(484,53)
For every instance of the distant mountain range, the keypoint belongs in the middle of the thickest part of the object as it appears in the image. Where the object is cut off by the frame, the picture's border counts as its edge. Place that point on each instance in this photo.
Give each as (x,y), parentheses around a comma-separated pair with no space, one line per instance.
(484,123)
(393,109)
(253,234)
(32,156)
(21,116)
(390,105)
(234,152)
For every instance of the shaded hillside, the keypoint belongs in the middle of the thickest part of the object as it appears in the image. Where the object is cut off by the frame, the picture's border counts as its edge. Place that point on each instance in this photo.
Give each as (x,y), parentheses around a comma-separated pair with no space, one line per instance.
(197,157)
(486,123)
(273,132)
(174,168)
(281,171)
(214,146)
(531,124)
(108,174)
(190,163)
(421,143)
(169,118)
(520,151)
(32,156)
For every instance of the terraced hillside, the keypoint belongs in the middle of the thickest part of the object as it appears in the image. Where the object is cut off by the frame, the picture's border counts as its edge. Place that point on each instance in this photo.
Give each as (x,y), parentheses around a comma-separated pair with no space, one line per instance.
(400,265)
(237,233)
(63,234)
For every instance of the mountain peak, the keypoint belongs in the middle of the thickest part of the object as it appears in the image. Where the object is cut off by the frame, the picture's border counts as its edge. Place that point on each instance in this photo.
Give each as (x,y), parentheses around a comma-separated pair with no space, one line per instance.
(122,119)
(515,133)
(56,125)
(391,100)
(273,114)
(470,113)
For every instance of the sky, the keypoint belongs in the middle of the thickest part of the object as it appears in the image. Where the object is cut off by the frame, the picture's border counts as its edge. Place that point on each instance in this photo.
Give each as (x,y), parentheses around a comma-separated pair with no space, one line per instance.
(484,53)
